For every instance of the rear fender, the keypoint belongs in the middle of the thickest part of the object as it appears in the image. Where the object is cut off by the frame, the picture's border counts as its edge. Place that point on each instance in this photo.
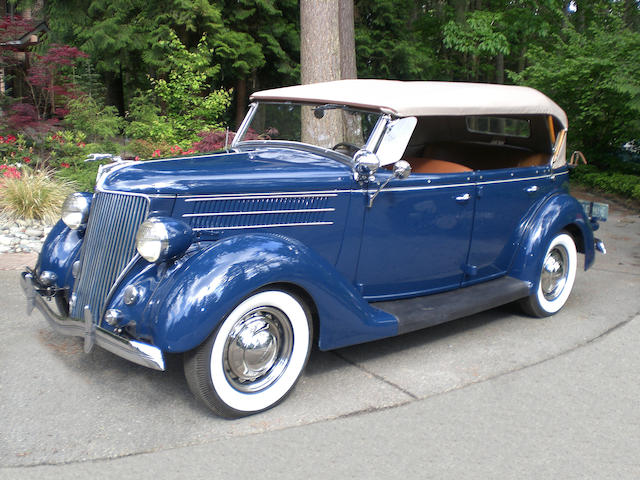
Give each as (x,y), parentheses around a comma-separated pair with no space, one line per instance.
(190,302)
(559,212)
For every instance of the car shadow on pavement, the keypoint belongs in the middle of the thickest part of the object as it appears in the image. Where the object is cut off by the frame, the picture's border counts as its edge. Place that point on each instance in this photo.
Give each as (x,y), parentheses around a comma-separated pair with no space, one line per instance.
(423,338)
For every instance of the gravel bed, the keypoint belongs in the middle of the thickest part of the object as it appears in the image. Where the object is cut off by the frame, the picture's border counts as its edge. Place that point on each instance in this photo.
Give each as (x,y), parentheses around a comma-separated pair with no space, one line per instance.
(22,236)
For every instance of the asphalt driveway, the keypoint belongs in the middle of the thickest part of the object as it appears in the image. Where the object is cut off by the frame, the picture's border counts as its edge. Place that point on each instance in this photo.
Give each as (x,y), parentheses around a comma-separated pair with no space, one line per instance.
(494,395)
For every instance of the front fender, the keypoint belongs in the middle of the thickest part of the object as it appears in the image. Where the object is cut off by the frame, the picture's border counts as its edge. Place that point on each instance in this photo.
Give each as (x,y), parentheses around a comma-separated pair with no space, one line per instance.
(60,249)
(558,212)
(189,304)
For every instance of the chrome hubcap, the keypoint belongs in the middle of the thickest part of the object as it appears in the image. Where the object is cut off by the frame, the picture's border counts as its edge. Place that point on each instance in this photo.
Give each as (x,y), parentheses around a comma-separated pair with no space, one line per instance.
(258,349)
(554,273)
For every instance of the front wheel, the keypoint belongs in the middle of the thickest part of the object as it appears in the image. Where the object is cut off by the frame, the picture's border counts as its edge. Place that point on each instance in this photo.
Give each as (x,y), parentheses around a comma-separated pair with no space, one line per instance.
(255,356)
(557,275)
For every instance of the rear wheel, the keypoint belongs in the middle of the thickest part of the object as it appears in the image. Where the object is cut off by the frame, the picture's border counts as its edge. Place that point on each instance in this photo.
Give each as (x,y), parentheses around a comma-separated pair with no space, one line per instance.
(557,275)
(255,356)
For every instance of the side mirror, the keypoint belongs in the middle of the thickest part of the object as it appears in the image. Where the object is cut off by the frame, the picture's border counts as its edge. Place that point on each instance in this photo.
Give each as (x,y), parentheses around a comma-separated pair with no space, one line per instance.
(401,170)
(366,165)
(395,140)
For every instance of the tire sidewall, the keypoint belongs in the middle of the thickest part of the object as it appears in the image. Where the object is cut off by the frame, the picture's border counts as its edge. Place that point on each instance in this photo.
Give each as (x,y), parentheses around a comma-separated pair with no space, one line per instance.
(549,307)
(243,403)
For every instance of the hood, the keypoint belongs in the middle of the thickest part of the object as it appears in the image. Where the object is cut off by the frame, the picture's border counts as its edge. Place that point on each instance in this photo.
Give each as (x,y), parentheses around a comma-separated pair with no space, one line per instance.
(265,170)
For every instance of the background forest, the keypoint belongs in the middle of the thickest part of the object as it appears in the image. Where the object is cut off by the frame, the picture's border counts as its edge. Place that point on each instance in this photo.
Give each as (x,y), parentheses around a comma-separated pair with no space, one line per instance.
(147,79)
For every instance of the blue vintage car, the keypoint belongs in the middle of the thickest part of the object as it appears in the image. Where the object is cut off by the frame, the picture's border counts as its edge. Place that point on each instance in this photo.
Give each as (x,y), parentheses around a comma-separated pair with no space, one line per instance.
(342,212)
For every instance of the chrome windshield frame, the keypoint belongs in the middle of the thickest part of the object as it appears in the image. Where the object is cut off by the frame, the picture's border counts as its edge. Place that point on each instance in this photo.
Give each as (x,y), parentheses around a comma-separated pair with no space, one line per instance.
(372,142)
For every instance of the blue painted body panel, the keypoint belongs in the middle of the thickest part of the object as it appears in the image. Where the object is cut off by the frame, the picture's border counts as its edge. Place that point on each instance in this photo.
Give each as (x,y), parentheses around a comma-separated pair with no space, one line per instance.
(294,217)
(183,304)
(557,212)
(416,236)
(265,170)
(505,200)
(60,249)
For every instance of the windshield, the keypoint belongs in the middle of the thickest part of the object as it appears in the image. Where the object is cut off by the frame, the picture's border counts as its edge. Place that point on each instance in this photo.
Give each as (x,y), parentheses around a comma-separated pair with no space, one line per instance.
(336,127)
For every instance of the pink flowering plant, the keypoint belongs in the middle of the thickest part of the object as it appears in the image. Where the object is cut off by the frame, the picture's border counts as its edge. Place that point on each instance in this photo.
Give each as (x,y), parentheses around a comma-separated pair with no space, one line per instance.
(10,171)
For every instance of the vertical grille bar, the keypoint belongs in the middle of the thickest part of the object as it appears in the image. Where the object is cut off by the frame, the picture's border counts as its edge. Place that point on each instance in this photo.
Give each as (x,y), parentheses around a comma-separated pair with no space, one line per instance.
(109,244)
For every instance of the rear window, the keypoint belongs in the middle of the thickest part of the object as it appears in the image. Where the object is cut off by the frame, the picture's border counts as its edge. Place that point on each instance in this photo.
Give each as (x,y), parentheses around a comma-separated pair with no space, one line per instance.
(502,126)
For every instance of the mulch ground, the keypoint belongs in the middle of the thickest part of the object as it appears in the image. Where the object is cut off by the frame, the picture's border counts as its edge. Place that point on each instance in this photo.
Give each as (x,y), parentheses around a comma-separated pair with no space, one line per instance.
(17,261)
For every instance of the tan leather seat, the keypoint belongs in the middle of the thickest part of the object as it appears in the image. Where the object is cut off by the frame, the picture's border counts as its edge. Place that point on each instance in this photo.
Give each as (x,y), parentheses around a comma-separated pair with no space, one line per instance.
(432,165)
(478,156)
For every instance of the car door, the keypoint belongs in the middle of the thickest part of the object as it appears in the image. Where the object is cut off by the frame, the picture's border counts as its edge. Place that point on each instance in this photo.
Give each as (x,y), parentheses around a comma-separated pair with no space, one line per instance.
(416,235)
(503,199)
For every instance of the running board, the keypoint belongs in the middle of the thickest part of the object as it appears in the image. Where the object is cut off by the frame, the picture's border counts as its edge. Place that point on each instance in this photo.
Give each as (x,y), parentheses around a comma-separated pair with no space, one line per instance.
(421,312)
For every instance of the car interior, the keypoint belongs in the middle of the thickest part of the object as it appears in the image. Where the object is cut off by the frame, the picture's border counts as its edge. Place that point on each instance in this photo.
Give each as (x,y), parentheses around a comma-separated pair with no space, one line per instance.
(466,143)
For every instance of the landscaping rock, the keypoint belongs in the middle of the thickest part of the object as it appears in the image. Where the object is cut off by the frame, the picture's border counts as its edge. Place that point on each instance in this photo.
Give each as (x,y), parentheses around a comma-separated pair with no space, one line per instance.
(33,232)
(22,236)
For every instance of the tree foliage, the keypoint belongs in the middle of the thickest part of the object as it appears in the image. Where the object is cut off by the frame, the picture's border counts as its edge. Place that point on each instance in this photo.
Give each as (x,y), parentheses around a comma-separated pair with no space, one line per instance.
(582,53)
(181,104)
(595,77)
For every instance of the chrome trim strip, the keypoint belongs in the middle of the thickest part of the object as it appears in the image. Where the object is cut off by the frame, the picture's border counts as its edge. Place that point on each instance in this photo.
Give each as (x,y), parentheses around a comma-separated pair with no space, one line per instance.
(261,196)
(148,196)
(195,155)
(132,350)
(427,187)
(259,212)
(471,183)
(103,173)
(510,180)
(245,124)
(316,193)
(125,271)
(380,128)
(247,227)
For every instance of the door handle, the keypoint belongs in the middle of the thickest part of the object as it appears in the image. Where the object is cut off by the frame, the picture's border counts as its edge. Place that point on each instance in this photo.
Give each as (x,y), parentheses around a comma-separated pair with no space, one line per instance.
(532,189)
(463,198)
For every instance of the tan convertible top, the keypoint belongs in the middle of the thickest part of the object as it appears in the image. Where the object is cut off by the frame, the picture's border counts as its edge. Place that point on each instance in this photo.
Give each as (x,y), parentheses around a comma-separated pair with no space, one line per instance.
(405,99)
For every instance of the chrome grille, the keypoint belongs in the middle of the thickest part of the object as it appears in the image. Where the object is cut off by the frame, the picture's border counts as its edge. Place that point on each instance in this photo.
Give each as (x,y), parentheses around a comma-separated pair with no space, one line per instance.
(109,244)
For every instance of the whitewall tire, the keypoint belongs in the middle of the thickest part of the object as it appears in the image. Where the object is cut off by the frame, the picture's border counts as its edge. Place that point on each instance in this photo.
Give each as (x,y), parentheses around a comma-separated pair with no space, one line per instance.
(556,277)
(254,357)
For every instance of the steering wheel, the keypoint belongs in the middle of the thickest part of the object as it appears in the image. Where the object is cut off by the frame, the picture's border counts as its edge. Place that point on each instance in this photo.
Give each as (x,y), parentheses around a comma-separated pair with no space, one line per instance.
(349,147)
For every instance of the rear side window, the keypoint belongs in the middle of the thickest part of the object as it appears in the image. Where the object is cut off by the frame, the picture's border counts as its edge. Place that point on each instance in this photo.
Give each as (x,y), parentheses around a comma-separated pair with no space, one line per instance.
(502,126)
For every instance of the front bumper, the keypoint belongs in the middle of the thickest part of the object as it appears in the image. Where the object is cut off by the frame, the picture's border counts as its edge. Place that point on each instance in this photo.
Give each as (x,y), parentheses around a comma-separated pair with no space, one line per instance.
(132,350)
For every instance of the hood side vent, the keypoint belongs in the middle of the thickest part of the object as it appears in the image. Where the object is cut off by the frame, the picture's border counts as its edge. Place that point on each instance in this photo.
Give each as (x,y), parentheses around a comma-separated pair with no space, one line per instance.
(260,211)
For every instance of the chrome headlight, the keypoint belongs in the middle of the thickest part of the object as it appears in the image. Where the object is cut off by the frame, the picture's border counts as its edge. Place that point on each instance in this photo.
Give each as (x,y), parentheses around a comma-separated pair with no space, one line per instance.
(75,210)
(162,238)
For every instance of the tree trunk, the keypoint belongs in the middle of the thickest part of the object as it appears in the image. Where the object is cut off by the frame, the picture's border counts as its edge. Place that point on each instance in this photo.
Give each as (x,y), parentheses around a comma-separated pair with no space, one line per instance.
(500,68)
(522,59)
(460,9)
(348,67)
(630,13)
(115,91)
(327,52)
(319,41)
(241,100)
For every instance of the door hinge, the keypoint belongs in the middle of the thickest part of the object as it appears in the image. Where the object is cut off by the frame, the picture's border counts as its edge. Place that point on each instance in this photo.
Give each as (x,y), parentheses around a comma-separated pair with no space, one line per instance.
(470,270)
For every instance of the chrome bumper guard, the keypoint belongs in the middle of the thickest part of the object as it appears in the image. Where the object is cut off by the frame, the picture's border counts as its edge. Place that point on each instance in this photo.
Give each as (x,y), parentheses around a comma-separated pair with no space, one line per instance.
(132,350)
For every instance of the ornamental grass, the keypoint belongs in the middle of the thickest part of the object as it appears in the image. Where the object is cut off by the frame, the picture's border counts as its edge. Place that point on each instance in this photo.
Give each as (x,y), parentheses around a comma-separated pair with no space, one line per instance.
(33,195)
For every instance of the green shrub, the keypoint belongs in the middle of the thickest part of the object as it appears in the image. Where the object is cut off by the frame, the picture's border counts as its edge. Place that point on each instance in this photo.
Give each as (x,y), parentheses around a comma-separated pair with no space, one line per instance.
(83,175)
(624,184)
(146,121)
(181,102)
(35,195)
(92,119)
